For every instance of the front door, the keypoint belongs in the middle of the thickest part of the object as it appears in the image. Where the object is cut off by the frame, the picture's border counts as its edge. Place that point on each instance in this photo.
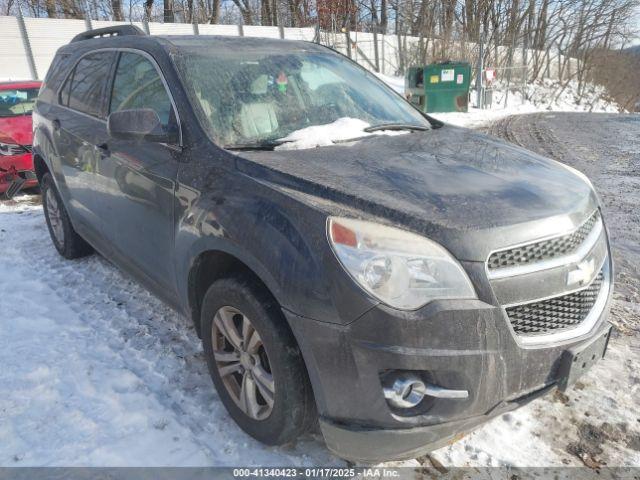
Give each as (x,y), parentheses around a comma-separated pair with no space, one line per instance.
(141,176)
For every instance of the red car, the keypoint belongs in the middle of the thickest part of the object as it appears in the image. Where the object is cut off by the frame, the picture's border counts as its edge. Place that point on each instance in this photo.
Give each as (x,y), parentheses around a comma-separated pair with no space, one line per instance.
(16,165)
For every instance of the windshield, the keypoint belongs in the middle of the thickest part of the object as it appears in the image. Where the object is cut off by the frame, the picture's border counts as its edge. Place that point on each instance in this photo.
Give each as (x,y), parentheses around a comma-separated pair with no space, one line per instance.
(251,98)
(16,102)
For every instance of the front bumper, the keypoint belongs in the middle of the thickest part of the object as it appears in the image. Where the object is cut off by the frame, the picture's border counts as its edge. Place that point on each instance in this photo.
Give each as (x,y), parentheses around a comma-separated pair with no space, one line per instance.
(375,445)
(14,166)
(465,345)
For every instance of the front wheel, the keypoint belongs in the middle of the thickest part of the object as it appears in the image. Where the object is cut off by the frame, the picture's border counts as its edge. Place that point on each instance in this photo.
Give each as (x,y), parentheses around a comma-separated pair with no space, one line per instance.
(255,363)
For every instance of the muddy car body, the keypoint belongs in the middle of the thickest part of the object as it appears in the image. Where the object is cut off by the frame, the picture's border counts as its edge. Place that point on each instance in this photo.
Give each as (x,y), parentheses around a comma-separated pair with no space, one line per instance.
(405,288)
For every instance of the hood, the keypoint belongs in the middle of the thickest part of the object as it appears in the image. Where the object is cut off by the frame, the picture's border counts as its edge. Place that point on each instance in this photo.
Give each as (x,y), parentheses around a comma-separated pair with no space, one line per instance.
(18,128)
(472,192)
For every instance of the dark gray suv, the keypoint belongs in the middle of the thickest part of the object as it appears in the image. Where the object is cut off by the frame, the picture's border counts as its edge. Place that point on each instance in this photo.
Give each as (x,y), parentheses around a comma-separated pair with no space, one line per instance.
(345,258)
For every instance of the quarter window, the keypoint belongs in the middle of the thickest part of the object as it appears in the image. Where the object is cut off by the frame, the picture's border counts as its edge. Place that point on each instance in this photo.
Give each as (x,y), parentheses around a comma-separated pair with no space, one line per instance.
(85,88)
(137,84)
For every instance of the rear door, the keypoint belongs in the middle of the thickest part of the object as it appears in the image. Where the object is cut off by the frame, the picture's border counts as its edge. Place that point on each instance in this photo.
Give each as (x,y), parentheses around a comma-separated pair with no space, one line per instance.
(79,134)
(140,176)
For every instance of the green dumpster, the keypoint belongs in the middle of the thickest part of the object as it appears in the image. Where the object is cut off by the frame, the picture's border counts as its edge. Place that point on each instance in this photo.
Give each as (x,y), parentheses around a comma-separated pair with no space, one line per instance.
(439,87)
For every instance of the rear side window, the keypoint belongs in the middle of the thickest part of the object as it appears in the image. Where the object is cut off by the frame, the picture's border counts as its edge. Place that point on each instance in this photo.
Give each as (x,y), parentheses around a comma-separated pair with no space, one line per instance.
(137,84)
(55,76)
(64,93)
(85,88)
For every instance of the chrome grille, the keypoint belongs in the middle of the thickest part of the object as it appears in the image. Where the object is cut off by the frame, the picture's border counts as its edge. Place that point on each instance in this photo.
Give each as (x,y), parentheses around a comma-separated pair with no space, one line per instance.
(554,314)
(543,250)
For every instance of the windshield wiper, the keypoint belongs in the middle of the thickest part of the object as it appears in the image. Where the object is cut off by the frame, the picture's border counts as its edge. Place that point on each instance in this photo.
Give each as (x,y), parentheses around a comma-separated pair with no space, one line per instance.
(265,145)
(395,126)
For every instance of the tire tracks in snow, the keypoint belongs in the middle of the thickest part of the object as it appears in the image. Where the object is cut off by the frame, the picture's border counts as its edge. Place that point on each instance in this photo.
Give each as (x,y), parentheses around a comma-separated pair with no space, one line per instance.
(161,348)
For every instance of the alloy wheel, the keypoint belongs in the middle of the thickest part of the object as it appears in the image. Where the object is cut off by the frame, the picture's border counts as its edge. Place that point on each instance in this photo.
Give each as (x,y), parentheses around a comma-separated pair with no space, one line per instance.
(242,362)
(55,216)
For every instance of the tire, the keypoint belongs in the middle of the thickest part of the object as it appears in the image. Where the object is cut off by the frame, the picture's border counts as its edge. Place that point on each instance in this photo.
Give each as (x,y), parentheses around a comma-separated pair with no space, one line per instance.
(67,242)
(293,409)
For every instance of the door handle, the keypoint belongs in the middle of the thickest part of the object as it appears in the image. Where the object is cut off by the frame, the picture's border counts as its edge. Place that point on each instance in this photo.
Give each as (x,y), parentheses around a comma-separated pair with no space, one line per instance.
(103,147)
(56,124)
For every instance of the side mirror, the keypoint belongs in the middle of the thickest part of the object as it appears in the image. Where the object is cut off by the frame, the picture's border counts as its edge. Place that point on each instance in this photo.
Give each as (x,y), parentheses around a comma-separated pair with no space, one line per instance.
(139,124)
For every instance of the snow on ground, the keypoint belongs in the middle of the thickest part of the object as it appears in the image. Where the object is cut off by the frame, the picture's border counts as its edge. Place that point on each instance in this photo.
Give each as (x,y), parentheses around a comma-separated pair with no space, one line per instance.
(95,371)
(595,419)
(547,95)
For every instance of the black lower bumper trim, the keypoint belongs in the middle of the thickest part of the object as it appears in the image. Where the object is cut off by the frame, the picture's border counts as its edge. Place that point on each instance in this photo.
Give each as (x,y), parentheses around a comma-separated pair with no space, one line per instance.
(373,446)
(369,445)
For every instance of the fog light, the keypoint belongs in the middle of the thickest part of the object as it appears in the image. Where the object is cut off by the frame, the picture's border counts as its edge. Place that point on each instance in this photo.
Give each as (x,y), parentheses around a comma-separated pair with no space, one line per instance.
(405,391)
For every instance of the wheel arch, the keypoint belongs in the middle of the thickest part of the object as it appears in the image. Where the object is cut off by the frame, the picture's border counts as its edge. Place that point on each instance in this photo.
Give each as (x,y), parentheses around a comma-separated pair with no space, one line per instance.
(211,265)
(39,166)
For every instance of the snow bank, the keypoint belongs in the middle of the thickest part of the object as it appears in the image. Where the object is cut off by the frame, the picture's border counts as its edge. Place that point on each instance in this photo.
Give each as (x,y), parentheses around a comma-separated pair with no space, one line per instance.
(95,371)
(546,95)
(344,128)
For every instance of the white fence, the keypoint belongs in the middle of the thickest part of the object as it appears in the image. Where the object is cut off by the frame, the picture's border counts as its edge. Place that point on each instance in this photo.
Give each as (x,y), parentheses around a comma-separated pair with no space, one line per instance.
(46,35)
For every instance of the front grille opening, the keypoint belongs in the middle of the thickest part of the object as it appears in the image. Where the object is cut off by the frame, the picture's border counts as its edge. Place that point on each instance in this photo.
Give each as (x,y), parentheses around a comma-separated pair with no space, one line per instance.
(555,314)
(544,250)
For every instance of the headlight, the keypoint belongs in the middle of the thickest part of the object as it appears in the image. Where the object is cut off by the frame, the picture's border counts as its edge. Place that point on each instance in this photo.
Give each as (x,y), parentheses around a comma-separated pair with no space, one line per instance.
(11,149)
(401,269)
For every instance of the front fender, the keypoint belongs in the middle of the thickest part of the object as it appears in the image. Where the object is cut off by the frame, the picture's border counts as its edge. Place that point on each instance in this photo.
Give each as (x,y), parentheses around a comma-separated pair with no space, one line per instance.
(280,237)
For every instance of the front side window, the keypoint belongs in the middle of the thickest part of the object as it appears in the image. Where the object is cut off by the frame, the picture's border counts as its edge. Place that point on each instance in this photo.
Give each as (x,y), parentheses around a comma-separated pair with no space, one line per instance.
(137,84)
(17,101)
(250,96)
(85,88)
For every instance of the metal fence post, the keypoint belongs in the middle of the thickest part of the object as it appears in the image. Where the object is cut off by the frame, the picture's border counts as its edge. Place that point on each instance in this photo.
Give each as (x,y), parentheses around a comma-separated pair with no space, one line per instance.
(400,54)
(280,26)
(26,44)
(506,93)
(479,102)
(87,16)
(196,30)
(145,25)
(348,37)
(524,83)
(376,54)
(382,52)
(241,27)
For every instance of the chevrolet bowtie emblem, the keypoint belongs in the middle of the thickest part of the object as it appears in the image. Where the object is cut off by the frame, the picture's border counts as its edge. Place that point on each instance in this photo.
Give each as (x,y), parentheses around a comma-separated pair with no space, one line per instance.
(582,273)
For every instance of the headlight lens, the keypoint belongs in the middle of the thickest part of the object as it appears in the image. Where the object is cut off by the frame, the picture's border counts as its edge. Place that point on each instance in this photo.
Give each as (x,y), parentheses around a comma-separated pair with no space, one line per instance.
(11,149)
(401,269)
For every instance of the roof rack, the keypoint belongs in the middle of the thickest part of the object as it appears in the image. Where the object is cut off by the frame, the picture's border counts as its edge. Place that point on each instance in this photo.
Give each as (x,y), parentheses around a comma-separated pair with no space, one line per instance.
(118,31)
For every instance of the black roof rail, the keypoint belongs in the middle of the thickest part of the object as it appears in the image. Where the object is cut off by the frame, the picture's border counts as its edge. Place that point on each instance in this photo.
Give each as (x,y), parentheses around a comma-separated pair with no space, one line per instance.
(117,31)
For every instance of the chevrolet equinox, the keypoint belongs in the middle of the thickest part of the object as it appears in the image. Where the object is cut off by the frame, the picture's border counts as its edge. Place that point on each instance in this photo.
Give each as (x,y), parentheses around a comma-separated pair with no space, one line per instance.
(346,259)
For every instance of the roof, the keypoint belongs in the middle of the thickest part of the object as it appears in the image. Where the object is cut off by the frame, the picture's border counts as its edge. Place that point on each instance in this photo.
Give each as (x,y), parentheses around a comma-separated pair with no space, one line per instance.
(192,43)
